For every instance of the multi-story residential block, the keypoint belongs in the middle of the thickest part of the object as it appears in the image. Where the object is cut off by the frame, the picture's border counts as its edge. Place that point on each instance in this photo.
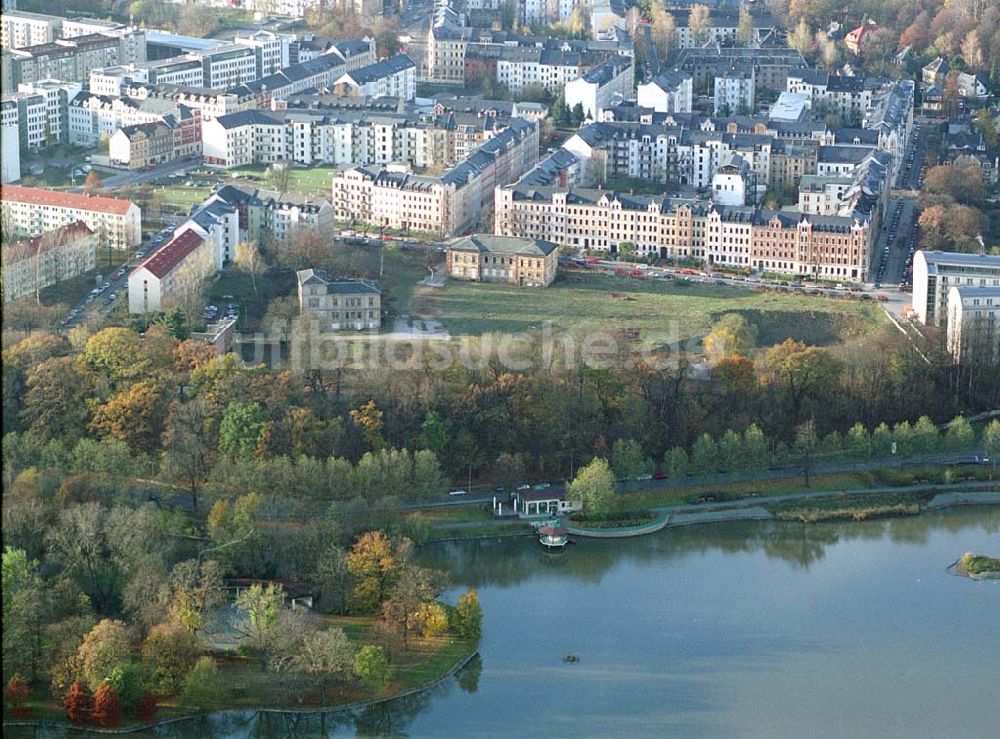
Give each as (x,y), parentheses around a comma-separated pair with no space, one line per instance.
(185,71)
(91,117)
(848,97)
(71,60)
(822,247)
(973,328)
(602,220)
(507,259)
(22,29)
(668,92)
(771,65)
(73,27)
(272,217)
(520,67)
(10,140)
(891,116)
(35,263)
(935,72)
(936,272)
(354,53)
(31,211)
(615,150)
(340,305)
(610,81)
(243,138)
(445,205)
(228,66)
(171,274)
(734,90)
(50,124)
(143,144)
(395,76)
(721,29)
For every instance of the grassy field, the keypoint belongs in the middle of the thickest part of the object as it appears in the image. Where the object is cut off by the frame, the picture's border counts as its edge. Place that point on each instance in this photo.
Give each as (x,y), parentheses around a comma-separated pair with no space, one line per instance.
(596,302)
(303,181)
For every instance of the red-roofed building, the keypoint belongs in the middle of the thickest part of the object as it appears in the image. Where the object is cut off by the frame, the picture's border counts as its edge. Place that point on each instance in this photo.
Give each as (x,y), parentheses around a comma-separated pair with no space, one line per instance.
(32,211)
(856,37)
(32,264)
(171,274)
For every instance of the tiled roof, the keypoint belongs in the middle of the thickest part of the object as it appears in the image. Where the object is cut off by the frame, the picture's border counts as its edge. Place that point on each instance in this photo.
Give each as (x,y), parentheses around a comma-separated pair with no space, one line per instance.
(55,198)
(490,244)
(247,118)
(172,253)
(379,70)
(61,235)
(337,287)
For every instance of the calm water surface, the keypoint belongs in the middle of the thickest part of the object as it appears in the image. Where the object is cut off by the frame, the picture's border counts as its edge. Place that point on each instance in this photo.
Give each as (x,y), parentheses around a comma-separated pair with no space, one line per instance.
(738,629)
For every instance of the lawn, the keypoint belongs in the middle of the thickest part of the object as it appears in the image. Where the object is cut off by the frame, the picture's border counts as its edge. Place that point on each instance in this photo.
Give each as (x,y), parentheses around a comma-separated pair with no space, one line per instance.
(590,302)
(301,180)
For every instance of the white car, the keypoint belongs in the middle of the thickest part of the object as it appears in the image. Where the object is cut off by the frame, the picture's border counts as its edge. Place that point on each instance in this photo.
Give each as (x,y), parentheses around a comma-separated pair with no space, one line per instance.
(457,492)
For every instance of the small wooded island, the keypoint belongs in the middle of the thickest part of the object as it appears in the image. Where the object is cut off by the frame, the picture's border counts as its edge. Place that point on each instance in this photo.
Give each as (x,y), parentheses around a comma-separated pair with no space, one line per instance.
(978,567)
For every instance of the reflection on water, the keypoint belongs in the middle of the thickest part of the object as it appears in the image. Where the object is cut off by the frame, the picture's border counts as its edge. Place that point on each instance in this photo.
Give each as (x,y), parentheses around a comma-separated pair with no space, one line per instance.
(749,628)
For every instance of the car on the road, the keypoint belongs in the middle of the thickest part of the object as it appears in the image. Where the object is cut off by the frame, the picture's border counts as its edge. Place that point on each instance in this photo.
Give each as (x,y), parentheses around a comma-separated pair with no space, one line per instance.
(660,476)
(458,492)
(525,486)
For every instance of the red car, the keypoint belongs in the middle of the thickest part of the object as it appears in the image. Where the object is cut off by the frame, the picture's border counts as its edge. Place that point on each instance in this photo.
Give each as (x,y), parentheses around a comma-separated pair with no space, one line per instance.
(660,476)
(636,273)
(593,260)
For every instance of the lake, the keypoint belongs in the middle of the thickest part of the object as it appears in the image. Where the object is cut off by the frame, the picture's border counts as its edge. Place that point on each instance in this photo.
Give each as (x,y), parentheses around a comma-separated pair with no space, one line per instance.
(737,629)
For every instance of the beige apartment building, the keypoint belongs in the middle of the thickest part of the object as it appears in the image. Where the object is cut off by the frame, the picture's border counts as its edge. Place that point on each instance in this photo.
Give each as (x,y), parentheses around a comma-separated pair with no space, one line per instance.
(31,211)
(509,259)
(35,263)
(346,304)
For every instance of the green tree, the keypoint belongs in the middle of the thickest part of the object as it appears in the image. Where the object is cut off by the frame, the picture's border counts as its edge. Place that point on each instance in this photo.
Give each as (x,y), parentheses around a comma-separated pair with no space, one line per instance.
(466,618)
(433,434)
(731,456)
(675,462)
(925,436)
(261,606)
(628,460)
(704,455)
(372,667)
(806,442)
(902,435)
(594,487)
(201,689)
(240,429)
(858,440)
(755,448)
(960,435)
(126,680)
(881,440)
(991,439)
(186,446)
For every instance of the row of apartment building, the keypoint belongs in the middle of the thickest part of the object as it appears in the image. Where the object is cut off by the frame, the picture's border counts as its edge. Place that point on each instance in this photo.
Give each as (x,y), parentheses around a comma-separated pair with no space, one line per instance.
(789,242)
(391,197)
(333,131)
(34,263)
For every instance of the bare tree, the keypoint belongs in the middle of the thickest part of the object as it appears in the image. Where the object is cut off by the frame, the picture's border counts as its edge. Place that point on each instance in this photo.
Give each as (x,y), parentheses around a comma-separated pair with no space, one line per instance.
(250,260)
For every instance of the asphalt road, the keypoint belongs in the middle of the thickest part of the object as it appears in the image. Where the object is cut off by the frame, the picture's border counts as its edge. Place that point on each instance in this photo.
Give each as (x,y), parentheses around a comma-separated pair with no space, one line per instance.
(161,171)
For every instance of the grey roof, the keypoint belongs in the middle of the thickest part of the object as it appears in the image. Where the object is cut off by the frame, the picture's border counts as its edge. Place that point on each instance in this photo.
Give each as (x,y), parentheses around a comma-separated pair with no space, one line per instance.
(335,286)
(247,118)
(244,194)
(548,170)
(381,69)
(670,79)
(484,155)
(936,259)
(490,244)
(607,70)
(843,154)
(977,291)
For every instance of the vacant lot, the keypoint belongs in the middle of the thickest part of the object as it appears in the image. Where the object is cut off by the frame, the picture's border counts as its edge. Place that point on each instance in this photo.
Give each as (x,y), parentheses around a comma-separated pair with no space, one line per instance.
(683,310)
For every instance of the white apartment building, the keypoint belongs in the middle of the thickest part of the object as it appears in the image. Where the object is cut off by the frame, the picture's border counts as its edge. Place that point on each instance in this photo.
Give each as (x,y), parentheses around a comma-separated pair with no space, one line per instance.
(32,211)
(10,140)
(669,92)
(228,66)
(247,137)
(609,82)
(846,96)
(734,91)
(936,272)
(823,196)
(973,328)
(395,77)
(22,29)
(55,99)
(176,269)
(519,67)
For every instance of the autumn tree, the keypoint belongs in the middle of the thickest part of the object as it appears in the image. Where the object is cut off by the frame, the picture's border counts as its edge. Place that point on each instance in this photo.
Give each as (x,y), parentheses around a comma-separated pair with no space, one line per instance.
(744,28)
(170,651)
(134,416)
(77,703)
(801,38)
(105,647)
(368,418)
(698,22)
(146,708)
(731,335)
(327,657)
(91,183)
(950,228)
(187,446)
(107,710)
(16,694)
(594,487)
(663,28)
(250,260)
(195,588)
(375,564)
(800,375)
(414,588)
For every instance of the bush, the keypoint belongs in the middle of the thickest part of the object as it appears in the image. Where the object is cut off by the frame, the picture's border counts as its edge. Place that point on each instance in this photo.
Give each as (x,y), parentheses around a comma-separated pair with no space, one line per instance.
(615,519)
(77,703)
(372,667)
(107,710)
(145,709)
(16,695)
